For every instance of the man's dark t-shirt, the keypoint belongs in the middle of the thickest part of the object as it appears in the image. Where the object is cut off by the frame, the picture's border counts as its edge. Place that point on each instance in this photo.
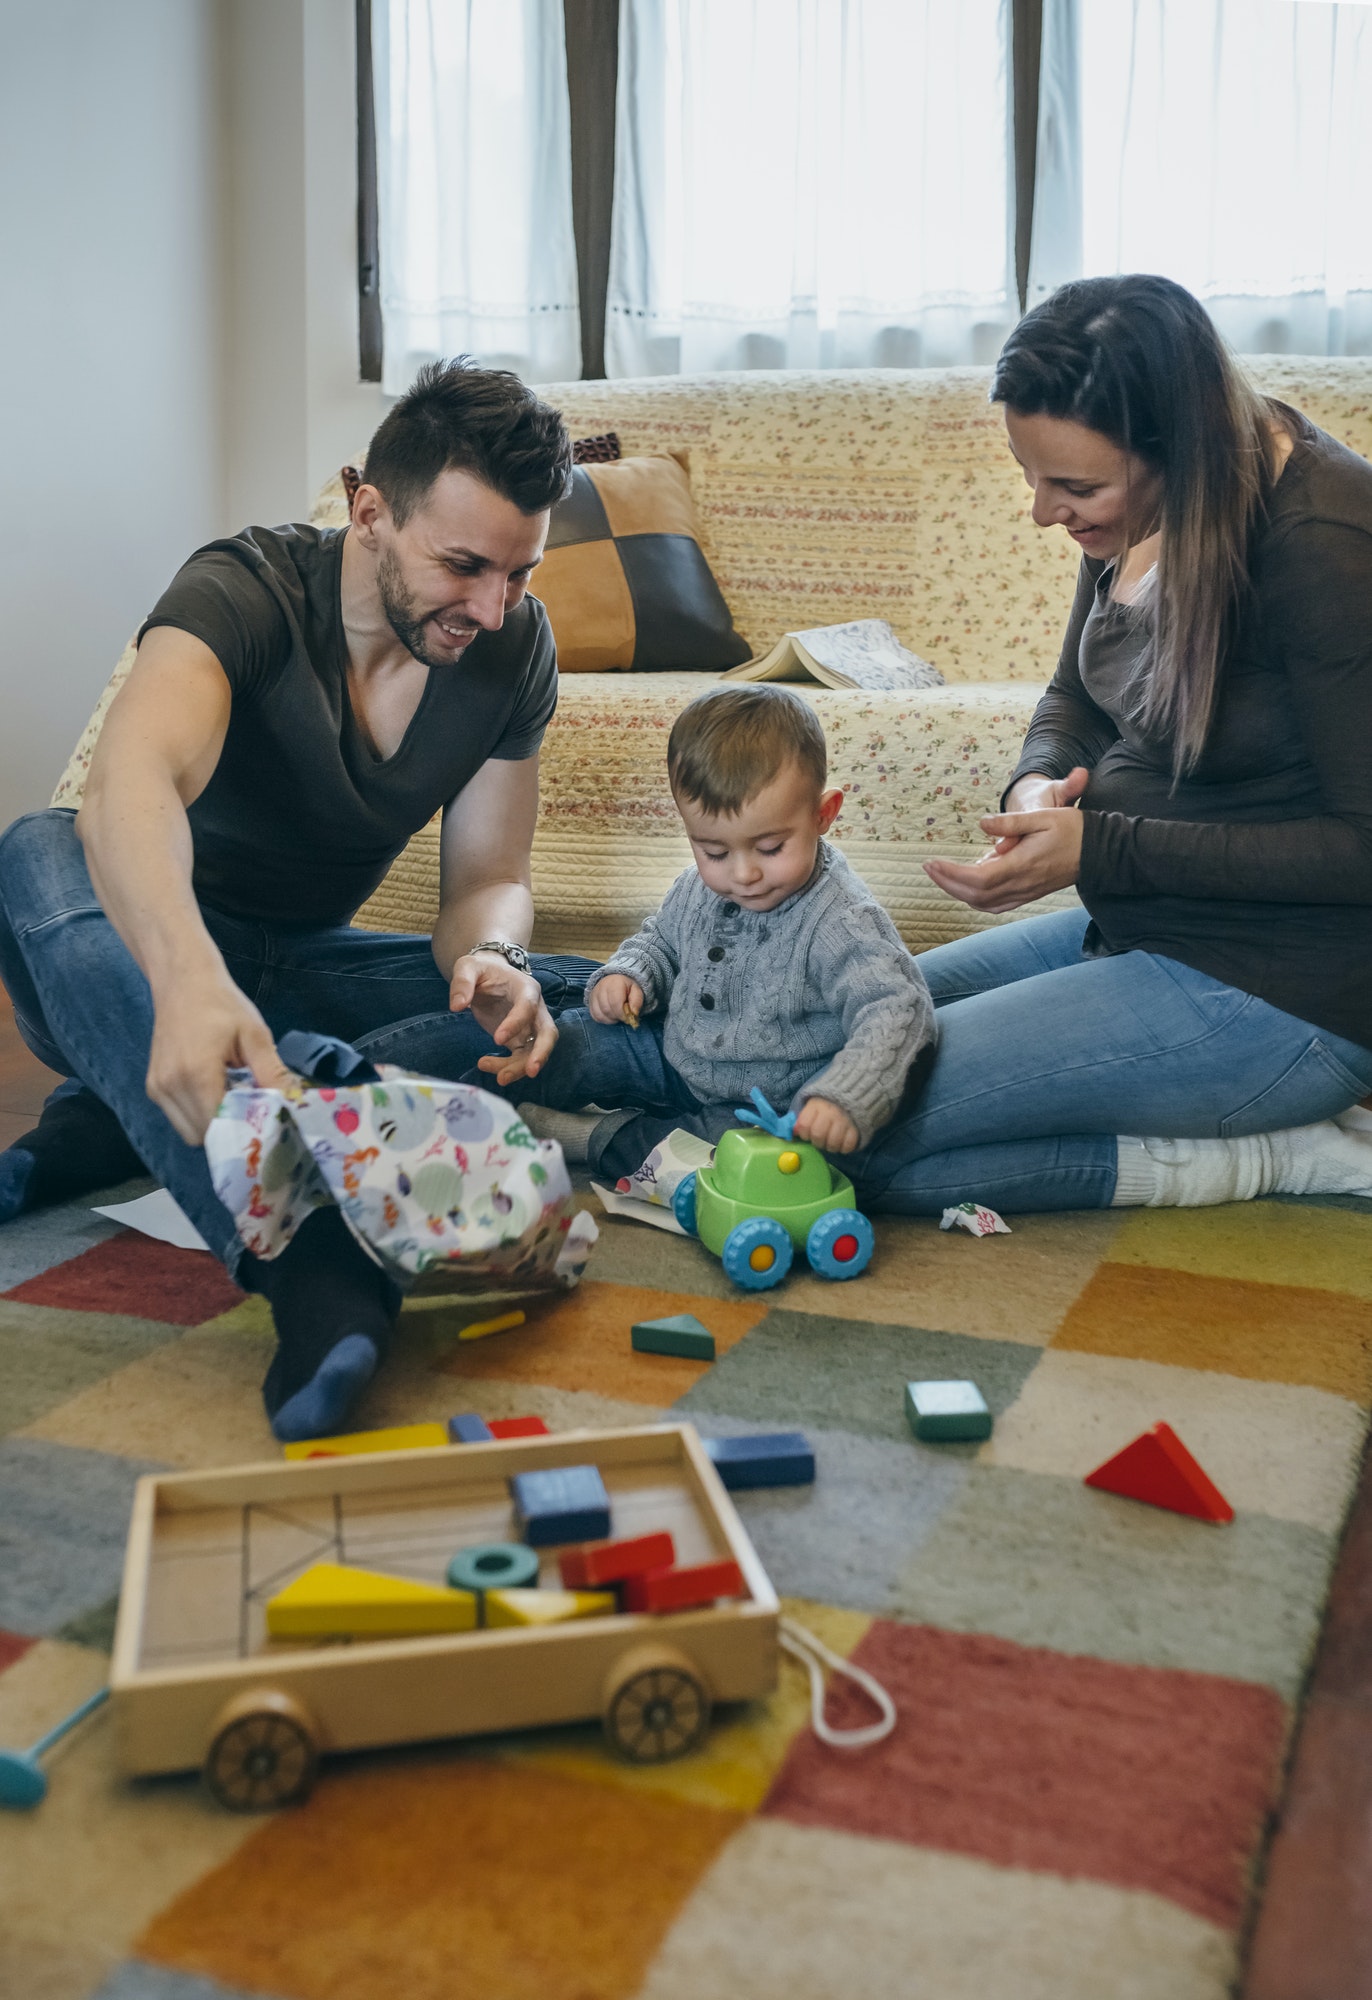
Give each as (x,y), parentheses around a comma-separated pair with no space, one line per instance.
(301,819)
(1257,866)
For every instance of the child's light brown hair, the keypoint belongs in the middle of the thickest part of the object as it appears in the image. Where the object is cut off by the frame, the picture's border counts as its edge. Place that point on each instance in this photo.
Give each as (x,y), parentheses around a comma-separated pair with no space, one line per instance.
(726,746)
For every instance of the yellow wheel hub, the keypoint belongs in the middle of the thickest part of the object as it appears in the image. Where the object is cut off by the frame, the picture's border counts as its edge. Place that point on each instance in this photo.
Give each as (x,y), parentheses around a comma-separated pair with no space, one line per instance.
(763,1258)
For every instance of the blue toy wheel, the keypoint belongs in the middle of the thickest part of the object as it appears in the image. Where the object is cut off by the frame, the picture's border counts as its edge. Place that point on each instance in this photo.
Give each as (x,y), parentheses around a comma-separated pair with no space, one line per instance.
(840,1244)
(684,1204)
(757,1253)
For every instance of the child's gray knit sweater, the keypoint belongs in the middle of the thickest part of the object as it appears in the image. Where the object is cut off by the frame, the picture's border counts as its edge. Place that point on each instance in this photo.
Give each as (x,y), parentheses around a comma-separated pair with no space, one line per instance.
(816,998)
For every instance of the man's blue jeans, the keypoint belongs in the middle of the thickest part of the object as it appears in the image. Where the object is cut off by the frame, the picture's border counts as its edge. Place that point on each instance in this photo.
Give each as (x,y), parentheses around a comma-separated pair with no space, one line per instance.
(85,1010)
(1043,1057)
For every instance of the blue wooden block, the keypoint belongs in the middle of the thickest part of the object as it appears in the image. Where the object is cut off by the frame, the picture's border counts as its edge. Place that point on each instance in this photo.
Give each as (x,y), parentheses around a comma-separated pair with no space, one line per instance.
(568,1504)
(782,1458)
(947,1412)
(468,1428)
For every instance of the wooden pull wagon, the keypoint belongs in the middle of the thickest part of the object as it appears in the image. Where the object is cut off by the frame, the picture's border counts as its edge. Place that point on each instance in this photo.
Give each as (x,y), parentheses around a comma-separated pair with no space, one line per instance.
(196,1680)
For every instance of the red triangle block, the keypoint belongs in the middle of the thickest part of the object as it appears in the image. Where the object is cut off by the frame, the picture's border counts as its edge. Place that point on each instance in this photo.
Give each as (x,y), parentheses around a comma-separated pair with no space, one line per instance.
(1158,1469)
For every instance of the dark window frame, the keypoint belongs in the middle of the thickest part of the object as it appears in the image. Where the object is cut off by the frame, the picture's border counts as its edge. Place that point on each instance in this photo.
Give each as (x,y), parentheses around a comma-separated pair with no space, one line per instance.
(369,326)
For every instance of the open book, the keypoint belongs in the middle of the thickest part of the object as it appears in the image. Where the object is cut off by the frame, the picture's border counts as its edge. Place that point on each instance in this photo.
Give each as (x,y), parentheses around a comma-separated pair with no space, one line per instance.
(865,653)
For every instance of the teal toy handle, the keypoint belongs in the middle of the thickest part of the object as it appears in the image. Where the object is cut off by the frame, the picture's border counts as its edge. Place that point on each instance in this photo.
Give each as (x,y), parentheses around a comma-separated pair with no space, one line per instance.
(68,1722)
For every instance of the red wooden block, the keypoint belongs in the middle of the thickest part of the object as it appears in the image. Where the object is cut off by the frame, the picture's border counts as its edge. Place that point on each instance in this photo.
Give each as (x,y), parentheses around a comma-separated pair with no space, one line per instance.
(1158,1469)
(682,1589)
(517,1427)
(615,1562)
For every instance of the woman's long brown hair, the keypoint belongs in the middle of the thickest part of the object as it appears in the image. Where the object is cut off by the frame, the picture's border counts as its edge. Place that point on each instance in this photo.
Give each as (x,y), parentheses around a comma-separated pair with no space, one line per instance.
(1139,360)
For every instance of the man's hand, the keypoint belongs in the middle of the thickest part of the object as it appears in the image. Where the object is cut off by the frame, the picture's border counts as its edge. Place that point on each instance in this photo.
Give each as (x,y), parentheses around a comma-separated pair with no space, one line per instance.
(825,1126)
(509,1005)
(614,998)
(1041,852)
(202,1028)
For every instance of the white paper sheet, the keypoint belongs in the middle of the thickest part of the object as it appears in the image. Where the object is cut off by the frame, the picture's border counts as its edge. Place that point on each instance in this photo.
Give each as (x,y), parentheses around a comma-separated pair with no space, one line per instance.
(638,1211)
(158,1216)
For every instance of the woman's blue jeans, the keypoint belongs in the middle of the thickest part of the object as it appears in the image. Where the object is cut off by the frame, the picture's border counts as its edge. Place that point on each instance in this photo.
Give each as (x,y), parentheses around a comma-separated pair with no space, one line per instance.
(1044,1055)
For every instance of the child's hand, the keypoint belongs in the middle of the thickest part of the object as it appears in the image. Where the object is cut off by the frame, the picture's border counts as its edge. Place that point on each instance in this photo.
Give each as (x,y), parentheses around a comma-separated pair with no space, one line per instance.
(611,996)
(825,1126)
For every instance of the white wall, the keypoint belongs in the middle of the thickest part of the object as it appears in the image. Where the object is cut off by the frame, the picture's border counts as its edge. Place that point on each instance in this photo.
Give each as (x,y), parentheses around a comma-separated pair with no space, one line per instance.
(110,403)
(295,409)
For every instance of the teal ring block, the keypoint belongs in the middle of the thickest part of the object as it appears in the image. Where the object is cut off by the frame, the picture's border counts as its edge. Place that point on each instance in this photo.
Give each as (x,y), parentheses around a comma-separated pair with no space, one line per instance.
(494,1566)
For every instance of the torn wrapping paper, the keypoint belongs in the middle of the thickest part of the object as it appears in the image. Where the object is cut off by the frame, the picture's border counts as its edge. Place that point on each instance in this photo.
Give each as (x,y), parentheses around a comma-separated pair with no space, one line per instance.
(158,1216)
(658,1179)
(976,1220)
(632,1208)
(435,1180)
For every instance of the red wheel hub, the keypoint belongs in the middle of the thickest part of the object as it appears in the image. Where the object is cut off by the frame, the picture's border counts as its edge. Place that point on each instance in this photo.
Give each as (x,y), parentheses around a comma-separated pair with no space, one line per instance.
(844,1249)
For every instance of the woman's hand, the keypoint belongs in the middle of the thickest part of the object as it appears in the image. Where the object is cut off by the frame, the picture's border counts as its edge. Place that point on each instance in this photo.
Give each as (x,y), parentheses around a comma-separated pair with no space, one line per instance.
(615,998)
(1033,854)
(1033,793)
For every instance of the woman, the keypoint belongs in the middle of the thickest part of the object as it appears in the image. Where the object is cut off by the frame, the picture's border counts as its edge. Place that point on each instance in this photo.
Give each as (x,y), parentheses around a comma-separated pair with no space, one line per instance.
(1200,768)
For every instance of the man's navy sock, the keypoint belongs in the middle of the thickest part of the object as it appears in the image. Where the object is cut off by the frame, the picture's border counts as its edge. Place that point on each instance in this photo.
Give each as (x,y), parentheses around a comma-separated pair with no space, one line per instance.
(334,1310)
(77,1145)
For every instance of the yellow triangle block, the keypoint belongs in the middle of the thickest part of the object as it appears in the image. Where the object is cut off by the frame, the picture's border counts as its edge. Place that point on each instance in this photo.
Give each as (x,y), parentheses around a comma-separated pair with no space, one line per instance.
(546,1607)
(404,1437)
(336,1601)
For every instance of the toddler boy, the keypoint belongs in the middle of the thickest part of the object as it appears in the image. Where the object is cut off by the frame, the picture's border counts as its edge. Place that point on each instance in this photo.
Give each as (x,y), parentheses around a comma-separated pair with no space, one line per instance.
(769,963)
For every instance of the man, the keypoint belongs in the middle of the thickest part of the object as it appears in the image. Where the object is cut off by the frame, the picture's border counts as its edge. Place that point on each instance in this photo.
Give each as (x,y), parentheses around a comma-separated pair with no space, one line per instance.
(302,702)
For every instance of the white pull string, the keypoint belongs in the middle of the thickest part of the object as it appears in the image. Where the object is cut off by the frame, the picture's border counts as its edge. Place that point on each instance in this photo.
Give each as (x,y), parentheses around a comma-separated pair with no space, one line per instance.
(814,1656)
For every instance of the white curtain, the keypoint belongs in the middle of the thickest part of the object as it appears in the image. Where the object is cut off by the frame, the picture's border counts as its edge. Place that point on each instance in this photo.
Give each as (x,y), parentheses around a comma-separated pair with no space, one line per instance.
(474,185)
(810,183)
(1223,143)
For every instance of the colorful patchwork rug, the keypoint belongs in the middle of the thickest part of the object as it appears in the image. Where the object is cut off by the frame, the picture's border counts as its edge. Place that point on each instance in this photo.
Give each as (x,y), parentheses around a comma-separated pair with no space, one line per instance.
(1096,1698)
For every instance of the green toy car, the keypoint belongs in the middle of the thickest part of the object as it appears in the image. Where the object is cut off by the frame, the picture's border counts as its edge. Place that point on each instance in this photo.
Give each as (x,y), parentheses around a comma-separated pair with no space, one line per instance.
(768,1194)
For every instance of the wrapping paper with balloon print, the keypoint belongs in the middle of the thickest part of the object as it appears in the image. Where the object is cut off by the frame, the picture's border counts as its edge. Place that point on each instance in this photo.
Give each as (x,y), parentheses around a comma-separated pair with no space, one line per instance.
(435,1180)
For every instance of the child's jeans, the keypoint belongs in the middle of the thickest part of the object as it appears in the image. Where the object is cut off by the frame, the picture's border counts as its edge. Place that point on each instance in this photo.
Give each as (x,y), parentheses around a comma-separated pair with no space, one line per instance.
(613,1065)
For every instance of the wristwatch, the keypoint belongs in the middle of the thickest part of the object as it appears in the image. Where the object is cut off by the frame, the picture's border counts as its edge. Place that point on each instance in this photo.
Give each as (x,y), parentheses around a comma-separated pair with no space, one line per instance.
(513,954)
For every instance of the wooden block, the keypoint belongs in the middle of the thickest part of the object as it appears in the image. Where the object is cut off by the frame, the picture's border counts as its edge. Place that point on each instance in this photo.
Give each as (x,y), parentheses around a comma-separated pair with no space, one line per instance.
(782,1458)
(1158,1469)
(336,1601)
(614,1562)
(947,1412)
(494,1566)
(404,1437)
(680,1333)
(547,1607)
(682,1589)
(565,1504)
(479,1328)
(518,1427)
(468,1428)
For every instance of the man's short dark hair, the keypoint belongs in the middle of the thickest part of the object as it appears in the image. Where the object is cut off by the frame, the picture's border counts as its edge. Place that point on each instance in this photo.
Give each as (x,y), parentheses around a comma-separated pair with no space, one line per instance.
(461,418)
(728,745)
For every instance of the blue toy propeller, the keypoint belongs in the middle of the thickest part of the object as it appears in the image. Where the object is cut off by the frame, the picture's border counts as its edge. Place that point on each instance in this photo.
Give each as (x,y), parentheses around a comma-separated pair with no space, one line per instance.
(23,1781)
(770,1121)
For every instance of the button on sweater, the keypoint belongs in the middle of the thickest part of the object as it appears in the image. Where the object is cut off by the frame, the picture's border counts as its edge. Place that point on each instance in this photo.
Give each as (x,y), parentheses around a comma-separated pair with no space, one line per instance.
(815,998)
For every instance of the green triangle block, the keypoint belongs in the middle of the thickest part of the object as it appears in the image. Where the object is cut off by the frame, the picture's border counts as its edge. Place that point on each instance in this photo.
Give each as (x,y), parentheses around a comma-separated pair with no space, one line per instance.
(679,1333)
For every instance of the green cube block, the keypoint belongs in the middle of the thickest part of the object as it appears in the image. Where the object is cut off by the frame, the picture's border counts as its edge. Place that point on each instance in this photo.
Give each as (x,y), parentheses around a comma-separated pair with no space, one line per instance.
(680,1333)
(947,1412)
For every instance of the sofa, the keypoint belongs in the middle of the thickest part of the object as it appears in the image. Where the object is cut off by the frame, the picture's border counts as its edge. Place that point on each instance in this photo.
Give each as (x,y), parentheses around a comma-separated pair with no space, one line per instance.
(821,496)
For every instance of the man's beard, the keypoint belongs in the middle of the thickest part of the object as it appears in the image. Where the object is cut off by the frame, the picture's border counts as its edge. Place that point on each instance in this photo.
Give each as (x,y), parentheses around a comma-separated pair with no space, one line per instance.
(399,607)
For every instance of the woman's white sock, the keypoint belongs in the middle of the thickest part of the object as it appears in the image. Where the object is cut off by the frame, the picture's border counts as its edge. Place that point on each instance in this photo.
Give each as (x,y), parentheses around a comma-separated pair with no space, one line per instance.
(1333,1157)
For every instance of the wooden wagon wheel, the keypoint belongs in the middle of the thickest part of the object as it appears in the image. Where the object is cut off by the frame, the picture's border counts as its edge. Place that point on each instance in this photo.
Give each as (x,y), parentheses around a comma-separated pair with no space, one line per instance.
(656,1706)
(264,1752)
